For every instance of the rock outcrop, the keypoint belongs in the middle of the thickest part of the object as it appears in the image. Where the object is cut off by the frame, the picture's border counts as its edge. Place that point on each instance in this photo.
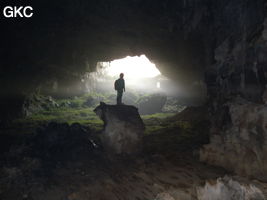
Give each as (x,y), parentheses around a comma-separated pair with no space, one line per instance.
(17,106)
(151,104)
(240,144)
(236,84)
(35,103)
(123,128)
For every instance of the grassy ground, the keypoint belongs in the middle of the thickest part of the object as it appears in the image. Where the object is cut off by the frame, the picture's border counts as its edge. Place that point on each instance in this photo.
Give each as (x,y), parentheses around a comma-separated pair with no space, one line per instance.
(84,116)
(165,132)
(77,110)
(156,122)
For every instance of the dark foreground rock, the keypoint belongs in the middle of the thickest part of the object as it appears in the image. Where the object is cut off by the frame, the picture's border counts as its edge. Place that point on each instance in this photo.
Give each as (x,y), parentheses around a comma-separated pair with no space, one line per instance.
(123,128)
(63,142)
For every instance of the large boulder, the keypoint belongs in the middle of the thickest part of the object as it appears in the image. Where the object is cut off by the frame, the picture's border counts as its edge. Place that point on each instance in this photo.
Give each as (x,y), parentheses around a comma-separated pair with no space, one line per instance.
(123,128)
(151,104)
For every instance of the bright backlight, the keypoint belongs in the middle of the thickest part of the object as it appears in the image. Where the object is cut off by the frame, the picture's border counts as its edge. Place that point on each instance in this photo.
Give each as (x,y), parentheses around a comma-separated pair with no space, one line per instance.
(133,67)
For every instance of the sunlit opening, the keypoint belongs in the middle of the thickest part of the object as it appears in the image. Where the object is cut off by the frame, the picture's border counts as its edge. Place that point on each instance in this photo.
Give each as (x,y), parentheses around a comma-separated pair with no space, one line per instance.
(133,67)
(158,84)
(140,75)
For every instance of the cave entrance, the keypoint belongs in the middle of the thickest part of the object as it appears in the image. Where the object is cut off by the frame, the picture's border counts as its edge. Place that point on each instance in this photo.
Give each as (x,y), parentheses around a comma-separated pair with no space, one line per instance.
(146,87)
(136,67)
(140,74)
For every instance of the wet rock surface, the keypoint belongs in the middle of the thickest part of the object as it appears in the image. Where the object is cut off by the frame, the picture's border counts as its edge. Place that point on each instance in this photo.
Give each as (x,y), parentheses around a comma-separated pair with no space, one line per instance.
(123,128)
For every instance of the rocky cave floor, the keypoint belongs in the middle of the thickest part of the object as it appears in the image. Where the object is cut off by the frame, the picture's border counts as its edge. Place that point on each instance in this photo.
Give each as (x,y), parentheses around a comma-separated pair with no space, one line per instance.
(100,178)
(58,161)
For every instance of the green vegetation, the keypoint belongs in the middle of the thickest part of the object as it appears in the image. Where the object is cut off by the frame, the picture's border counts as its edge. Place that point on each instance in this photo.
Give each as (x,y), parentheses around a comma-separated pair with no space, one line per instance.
(155,122)
(157,116)
(77,113)
(71,110)
(84,116)
(79,110)
(165,132)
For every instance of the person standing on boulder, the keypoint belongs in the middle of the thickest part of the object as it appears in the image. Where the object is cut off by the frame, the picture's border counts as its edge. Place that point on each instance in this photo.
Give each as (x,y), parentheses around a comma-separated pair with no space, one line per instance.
(119,85)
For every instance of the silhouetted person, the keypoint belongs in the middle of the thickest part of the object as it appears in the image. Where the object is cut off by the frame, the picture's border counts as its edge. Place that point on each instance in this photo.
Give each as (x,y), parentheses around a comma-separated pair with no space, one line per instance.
(119,85)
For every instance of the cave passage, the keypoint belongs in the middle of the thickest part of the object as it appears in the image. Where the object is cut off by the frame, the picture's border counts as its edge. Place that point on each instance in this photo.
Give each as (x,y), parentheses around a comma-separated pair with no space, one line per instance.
(193,121)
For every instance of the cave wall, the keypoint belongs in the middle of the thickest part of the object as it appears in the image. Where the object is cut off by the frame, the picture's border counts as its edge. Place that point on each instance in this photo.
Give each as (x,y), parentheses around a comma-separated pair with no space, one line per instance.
(237,90)
(239,62)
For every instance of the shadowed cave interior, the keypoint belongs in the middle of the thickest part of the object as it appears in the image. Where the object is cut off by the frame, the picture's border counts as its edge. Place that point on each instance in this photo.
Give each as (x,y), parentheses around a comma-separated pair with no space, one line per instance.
(194,118)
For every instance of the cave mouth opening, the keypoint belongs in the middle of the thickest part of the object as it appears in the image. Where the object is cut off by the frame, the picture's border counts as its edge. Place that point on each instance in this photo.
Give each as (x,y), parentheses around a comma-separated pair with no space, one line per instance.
(140,74)
(146,88)
(135,67)
(141,77)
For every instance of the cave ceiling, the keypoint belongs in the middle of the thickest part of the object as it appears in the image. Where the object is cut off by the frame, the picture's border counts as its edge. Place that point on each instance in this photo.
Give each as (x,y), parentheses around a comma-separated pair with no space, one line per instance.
(66,38)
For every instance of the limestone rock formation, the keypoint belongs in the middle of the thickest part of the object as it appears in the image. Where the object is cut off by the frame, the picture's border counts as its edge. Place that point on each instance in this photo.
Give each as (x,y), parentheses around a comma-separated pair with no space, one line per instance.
(123,128)
(241,143)
(238,133)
